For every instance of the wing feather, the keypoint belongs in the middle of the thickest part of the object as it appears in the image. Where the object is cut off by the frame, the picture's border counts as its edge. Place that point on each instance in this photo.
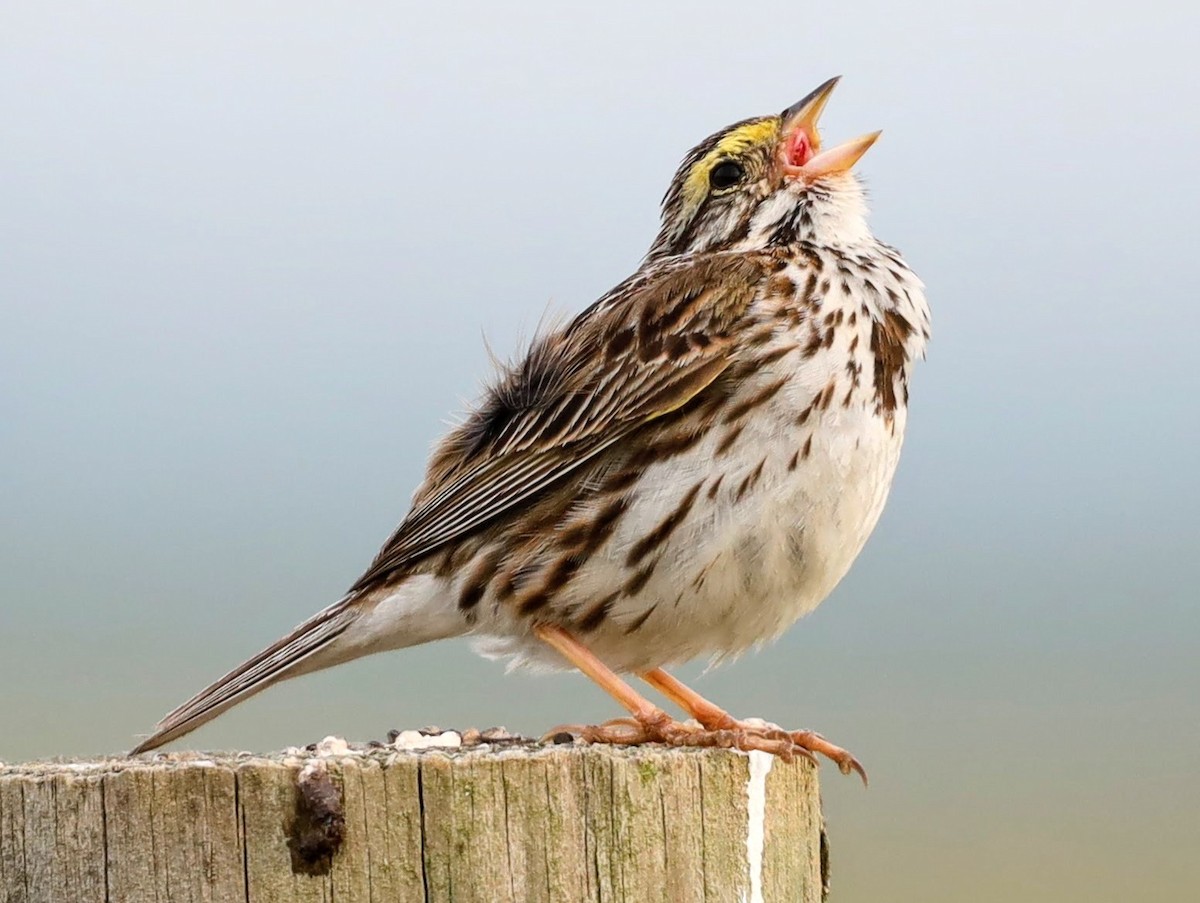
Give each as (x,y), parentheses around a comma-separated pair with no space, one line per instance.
(640,352)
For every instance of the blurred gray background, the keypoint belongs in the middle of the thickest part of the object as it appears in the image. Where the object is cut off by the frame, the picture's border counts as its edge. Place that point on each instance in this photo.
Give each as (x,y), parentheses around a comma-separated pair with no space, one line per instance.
(247,254)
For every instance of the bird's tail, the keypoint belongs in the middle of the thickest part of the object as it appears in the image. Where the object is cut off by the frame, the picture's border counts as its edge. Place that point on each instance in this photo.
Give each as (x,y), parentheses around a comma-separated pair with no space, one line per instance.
(297,653)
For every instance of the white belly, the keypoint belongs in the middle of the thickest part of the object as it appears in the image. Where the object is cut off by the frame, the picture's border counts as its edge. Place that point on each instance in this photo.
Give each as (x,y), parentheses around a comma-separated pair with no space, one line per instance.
(740,571)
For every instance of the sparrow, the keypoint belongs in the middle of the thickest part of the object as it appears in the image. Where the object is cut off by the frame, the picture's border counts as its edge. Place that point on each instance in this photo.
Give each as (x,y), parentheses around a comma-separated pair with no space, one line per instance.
(685,469)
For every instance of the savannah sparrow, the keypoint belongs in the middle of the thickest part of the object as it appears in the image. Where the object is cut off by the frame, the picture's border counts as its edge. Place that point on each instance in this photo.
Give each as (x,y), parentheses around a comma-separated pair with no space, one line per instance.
(685,469)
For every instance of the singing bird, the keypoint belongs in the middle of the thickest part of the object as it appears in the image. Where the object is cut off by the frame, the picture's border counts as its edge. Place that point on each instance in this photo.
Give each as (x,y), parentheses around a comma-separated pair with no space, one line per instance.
(684,469)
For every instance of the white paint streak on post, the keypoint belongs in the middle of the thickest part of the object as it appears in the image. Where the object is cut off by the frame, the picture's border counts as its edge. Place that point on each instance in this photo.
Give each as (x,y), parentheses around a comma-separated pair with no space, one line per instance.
(756,820)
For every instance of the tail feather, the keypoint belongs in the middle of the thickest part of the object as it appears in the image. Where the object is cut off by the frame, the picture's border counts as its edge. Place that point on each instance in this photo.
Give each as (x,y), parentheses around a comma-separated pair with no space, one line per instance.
(288,657)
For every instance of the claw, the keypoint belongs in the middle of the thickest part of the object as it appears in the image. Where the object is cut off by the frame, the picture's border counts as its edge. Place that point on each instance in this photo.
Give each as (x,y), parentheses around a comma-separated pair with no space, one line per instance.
(575,730)
(815,743)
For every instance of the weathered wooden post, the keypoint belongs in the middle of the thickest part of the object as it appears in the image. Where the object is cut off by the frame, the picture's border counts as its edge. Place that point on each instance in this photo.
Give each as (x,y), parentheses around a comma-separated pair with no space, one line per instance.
(494,822)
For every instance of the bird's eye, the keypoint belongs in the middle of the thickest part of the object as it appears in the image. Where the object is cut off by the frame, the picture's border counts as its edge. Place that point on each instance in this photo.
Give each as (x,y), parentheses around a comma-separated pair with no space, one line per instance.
(726,174)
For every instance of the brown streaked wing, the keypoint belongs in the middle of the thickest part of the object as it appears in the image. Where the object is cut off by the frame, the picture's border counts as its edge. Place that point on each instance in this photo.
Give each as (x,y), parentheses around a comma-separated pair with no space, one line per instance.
(579,390)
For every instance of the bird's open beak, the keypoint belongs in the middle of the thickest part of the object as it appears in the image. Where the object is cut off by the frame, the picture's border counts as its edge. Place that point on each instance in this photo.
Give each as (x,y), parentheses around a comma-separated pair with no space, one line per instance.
(800,154)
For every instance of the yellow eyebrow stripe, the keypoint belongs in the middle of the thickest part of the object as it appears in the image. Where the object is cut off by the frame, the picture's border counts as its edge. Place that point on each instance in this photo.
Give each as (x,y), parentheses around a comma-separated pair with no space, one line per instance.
(741,139)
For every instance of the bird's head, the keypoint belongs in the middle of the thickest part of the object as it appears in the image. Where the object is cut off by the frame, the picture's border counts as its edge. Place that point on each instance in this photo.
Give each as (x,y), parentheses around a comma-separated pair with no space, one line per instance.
(765,182)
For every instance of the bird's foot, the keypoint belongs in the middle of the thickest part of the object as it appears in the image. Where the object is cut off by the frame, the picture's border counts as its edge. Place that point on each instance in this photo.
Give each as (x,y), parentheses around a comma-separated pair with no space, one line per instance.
(713,727)
(715,719)
(659,727)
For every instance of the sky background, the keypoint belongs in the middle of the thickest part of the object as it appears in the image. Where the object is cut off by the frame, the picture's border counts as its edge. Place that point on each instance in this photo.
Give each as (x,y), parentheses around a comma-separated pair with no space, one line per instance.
(248,253)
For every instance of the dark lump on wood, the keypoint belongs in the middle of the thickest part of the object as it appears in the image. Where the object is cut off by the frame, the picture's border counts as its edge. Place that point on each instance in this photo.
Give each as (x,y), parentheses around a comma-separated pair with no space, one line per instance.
(317,829)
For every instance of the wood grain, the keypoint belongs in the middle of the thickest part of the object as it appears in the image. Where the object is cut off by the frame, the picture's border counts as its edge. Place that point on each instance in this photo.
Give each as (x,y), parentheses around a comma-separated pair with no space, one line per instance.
(516,823)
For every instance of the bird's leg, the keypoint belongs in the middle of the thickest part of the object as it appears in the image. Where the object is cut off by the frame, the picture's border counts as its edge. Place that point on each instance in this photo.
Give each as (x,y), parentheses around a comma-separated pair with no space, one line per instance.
(715,718)
(646,715)
(649,723)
